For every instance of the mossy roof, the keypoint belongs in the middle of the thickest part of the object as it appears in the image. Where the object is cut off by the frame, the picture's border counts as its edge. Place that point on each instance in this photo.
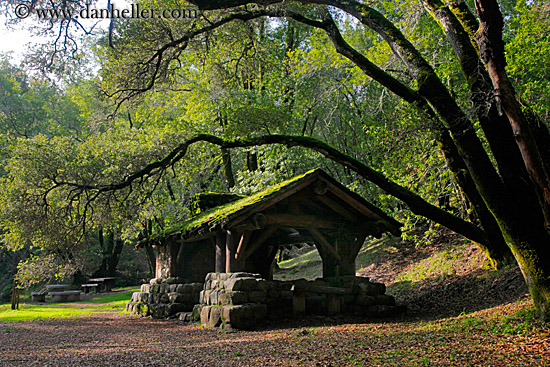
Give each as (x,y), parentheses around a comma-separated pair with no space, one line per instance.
(216,217)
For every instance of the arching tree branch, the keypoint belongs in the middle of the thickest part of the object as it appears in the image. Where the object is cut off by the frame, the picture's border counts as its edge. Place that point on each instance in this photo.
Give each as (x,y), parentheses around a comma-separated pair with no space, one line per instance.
(416,204)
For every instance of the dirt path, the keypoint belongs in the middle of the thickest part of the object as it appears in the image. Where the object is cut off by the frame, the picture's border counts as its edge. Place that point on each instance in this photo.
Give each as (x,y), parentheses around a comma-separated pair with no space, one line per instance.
(114,339)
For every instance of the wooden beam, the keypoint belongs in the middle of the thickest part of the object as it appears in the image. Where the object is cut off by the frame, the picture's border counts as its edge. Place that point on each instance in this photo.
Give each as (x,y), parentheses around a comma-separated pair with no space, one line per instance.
(243,242)
(353,218)
(353,203)
(303,220)
(323,241)
(262,237)
(220,252)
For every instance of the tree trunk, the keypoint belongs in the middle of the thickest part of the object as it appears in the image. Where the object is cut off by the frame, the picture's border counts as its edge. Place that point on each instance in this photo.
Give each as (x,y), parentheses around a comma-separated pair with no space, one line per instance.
(115,257)
(528,240)
(102,271)
(251,161)
(228,168)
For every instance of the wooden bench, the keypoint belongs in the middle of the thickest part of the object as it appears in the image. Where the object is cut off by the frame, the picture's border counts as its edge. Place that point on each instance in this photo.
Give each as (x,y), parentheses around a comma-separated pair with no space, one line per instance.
(88,287)
(67,296)
(333,294)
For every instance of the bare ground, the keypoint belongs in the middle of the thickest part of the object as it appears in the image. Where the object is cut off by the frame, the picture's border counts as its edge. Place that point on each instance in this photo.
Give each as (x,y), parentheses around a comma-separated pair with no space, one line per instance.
(467,318)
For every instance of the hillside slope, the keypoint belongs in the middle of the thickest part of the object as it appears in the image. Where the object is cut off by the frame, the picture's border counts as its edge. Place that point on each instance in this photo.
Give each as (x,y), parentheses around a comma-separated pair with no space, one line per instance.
(441,279)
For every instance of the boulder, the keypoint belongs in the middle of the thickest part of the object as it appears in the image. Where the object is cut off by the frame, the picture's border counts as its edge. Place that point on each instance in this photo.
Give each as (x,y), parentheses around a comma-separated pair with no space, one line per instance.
(241,284)
(257,296)
(145,288)
(179,298)
(365,300)
(244,316)
(214,297)
(243,274)
(384,299)
(214,318)
(369,289)
(233,298)
(205,315)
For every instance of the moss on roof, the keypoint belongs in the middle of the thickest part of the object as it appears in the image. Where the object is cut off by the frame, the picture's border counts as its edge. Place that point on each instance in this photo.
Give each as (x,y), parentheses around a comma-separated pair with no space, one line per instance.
(219,214)
(204,201)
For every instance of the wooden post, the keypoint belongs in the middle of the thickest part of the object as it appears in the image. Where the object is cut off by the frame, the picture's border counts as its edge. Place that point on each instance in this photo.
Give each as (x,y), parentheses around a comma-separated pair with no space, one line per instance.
(333,304)
(220,252)
(298,303)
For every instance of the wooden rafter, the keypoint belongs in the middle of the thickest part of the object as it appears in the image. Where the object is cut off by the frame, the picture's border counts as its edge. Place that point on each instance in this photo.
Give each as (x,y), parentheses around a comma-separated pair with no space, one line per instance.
(302,220)
(353,218)
(243,242)
(354,204)
(263,236)
(324,242)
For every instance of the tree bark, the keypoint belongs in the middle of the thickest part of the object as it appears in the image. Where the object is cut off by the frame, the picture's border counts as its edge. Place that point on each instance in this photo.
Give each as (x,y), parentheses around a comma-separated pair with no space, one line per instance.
(528,241)
(228,168)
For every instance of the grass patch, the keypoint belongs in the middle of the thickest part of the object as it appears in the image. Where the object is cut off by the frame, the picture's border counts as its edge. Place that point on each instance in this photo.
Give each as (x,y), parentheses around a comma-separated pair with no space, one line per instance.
(33,312)
(308,266)
(438,265)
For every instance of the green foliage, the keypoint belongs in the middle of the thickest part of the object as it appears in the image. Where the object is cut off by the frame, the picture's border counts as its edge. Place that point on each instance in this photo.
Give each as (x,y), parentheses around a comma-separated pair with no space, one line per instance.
(528,36)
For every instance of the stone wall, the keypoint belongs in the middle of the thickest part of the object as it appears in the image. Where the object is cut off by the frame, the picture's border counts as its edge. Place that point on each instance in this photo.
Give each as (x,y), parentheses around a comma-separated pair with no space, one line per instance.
(241,300)
(165,298)
(244,300)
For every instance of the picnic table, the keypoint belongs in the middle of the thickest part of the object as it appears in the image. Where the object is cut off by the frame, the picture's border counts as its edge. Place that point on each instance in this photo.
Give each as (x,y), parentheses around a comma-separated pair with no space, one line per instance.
(104,284)
(59,293)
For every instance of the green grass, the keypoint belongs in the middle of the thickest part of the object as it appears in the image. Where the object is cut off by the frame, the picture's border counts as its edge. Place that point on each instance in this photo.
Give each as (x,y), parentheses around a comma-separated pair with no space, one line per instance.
(32,311)
(308,266)
(438,265)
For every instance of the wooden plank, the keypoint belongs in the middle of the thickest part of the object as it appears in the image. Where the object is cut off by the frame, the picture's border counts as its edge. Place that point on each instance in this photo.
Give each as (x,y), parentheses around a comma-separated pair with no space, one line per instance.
(298,303)
(323,241)
(303,220)
(316,288)
(262,237)
(243,242)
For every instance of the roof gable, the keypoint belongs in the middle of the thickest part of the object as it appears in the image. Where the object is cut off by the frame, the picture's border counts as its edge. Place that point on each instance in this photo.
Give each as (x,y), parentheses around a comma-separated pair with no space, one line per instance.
(237,211)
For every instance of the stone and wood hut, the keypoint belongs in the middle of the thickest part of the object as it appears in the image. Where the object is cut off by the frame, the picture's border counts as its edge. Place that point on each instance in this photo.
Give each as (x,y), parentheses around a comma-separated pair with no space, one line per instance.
(230,237)
(244,233)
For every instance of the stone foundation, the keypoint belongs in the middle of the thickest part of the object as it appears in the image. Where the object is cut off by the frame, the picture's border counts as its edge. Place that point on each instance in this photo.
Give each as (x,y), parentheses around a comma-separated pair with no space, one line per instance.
(165,298)
(244,300)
